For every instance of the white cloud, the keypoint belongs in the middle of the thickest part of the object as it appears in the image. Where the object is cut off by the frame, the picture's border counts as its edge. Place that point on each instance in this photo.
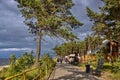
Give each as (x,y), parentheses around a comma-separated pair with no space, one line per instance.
(16,49)
(29,38)
(85,2)
(84,34)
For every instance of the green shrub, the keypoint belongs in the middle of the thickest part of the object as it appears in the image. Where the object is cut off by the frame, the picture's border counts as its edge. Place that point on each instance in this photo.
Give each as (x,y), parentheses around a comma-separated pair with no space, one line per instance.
(116,76)
(18,65)
(3,73)
(46,64)
(25,62)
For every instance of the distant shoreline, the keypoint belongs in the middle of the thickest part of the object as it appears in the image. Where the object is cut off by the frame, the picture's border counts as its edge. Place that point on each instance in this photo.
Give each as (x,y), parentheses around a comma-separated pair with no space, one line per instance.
(5,66)
(4,62)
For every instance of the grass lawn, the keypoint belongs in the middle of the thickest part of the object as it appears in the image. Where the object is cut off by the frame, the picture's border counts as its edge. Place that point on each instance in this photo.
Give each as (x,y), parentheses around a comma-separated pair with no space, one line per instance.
(108,71)
(113,70)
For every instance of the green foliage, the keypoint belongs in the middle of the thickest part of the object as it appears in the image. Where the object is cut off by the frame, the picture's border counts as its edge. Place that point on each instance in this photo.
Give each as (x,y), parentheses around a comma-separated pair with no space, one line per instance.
(25,59)
(113,9)
(48,17)
(12,59)
(93,41)
(23,62)
(70,47)
(105,22)
(26,62)
(114,70)
(100,54)
(3,73)
(47,63)
(32,74)
(18,65)
(90,42)
(94,16)
(116,76)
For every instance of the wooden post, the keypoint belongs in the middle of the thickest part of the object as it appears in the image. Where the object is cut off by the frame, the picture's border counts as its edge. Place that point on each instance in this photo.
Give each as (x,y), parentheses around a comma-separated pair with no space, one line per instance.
(46,70)
(40,74)
(24,76)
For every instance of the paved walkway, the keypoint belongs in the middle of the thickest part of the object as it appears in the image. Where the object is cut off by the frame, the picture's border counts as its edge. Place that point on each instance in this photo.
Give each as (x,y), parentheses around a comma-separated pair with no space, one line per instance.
(70,72)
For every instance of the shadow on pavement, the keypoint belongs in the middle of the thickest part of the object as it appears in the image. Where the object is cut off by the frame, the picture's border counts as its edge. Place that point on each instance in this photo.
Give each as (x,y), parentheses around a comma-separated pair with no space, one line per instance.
(76,74)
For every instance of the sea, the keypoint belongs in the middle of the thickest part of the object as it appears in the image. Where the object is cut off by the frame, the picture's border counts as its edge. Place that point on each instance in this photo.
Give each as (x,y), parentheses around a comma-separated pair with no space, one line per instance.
(6,55)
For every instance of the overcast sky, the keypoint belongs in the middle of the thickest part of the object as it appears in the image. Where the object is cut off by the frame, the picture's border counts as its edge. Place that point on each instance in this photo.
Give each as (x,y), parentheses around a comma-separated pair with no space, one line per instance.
(15,38)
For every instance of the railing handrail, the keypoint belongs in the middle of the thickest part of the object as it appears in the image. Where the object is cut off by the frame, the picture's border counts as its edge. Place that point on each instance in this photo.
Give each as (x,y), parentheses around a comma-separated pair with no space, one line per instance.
(21,74)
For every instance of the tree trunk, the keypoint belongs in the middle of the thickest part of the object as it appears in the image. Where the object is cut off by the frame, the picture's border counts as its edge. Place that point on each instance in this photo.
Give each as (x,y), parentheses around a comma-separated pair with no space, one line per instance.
(38,48)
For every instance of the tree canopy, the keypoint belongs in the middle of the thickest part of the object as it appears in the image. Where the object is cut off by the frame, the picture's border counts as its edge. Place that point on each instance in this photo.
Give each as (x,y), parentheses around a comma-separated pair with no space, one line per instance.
(107,21)
(70,48)
(49,17)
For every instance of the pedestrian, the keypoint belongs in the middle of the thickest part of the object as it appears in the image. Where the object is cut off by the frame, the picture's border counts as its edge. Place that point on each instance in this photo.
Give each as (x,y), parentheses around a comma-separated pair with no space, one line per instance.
(61,59)
(58,59)
(66,59)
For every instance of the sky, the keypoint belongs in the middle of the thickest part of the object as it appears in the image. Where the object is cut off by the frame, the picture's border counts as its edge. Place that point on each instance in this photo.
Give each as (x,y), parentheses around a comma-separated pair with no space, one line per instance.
(15,37)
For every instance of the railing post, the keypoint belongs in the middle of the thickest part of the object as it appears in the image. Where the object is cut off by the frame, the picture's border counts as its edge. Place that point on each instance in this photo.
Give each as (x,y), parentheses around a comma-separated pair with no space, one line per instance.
(24,76)
(40,74)
(46,69)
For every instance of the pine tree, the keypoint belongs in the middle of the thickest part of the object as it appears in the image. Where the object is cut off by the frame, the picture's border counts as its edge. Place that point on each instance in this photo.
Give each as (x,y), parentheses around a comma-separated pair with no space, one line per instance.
(48,17)
(106,23)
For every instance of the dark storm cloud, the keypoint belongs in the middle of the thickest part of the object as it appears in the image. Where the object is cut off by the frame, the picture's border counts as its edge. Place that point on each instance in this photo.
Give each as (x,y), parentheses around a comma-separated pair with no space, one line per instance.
(9,5)
(13,32)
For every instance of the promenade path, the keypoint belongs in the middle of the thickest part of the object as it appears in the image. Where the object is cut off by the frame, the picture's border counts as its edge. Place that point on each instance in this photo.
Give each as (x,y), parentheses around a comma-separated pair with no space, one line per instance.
(66,71)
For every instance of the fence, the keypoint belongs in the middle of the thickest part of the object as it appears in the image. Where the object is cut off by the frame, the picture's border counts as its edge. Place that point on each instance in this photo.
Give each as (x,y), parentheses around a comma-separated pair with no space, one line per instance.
(21,74)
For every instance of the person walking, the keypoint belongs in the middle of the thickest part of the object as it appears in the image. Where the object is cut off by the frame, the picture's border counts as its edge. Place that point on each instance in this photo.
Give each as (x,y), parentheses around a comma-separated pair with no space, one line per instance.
(61,59)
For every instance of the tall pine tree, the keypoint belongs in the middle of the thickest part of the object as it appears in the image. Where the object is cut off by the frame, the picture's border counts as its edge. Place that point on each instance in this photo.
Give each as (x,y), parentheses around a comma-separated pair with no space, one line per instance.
(107,22)
(49,17)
